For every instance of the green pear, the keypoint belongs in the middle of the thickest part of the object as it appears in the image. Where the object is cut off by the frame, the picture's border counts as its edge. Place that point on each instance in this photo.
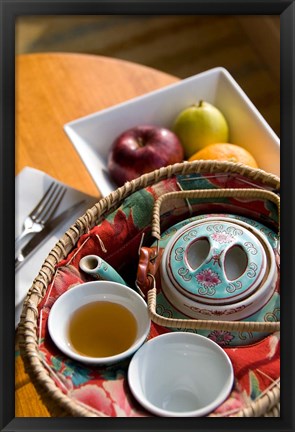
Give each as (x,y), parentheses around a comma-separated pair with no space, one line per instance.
(200,125)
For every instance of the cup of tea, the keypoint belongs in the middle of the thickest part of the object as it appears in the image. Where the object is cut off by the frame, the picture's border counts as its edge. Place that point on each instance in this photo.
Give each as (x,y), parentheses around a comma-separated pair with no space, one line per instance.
(99,322)
(180,374)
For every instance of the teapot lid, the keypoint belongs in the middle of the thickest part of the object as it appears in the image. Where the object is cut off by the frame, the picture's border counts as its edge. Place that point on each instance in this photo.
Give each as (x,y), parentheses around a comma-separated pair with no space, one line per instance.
(216,261)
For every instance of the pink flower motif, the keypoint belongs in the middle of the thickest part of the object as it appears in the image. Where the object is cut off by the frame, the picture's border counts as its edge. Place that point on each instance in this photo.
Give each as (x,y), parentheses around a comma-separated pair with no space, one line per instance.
(95,397)
(222,237)
(120,396)
(235,402)
(222,338)
(107,397)
(208,278)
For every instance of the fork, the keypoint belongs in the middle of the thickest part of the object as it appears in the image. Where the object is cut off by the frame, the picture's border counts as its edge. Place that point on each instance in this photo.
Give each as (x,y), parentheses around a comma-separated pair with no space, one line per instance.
(43,211)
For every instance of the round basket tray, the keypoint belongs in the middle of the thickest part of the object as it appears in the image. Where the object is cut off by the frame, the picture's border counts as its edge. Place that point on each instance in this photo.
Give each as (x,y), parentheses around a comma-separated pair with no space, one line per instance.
(61,403)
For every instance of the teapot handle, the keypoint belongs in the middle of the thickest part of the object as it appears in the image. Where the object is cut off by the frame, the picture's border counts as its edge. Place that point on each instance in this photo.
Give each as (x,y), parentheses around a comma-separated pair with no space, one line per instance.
(211,193)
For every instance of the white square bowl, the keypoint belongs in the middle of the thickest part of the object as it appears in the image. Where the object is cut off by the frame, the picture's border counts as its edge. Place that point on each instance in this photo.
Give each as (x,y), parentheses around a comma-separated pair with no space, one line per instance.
(94,134)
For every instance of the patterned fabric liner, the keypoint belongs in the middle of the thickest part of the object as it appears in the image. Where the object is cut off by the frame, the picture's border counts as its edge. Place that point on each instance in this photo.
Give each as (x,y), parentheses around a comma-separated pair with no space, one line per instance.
(105,391)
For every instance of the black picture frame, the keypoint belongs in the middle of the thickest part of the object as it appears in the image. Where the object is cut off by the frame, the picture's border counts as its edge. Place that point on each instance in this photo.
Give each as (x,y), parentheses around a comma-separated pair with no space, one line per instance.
(9,11)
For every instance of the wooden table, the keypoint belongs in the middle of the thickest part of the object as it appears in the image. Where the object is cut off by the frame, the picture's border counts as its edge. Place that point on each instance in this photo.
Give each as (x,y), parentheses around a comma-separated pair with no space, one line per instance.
(51,90)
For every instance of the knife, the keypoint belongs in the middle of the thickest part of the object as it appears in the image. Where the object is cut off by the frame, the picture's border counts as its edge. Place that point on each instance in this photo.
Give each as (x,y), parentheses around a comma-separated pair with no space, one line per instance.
(38,238)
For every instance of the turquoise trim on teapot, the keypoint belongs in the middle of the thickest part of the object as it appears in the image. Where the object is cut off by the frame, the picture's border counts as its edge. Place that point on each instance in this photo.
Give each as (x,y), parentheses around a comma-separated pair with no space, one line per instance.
(95,266)
(210,280)
(268,233)
(262,305)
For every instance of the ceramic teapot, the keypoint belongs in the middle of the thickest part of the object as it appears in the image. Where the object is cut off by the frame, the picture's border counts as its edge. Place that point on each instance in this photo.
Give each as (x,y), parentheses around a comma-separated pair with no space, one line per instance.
(214,268)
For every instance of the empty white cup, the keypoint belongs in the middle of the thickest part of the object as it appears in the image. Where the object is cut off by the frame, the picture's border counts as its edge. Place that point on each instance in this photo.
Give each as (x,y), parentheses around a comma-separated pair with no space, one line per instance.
(180,374)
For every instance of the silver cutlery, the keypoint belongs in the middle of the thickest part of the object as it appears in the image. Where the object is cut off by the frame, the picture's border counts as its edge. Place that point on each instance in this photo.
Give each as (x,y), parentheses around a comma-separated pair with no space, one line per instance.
(39,237)
(43,211)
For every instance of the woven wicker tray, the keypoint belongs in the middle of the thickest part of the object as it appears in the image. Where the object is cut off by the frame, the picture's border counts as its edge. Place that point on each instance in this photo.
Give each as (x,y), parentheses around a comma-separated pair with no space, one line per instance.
(61,404)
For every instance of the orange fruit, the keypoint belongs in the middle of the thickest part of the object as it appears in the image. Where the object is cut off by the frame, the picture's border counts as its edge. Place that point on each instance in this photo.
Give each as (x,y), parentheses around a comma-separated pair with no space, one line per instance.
(225,152)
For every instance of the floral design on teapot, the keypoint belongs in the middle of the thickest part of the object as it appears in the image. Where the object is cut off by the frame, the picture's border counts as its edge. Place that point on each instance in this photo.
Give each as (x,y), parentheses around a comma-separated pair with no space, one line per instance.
(232,299)
(208,279)
(251,248)
(179,252)
(184,273)
(213,273)
(216,258)
(252,270)
(233,286)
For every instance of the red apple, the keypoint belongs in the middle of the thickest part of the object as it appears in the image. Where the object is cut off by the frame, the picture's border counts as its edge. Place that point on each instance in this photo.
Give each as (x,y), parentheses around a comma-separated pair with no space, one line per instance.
(143,149)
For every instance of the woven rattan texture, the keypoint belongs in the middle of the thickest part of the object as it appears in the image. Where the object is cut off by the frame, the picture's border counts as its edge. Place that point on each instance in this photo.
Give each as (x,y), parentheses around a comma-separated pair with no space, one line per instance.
(58,403)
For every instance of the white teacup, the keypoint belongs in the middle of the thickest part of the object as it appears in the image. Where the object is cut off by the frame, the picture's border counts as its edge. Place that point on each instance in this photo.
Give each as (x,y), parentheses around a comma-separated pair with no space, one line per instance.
(180,374)
(85,294)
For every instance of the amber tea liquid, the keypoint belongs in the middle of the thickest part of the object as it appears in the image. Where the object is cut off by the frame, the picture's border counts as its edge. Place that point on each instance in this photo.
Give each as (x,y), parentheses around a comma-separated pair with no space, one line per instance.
(102,329)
